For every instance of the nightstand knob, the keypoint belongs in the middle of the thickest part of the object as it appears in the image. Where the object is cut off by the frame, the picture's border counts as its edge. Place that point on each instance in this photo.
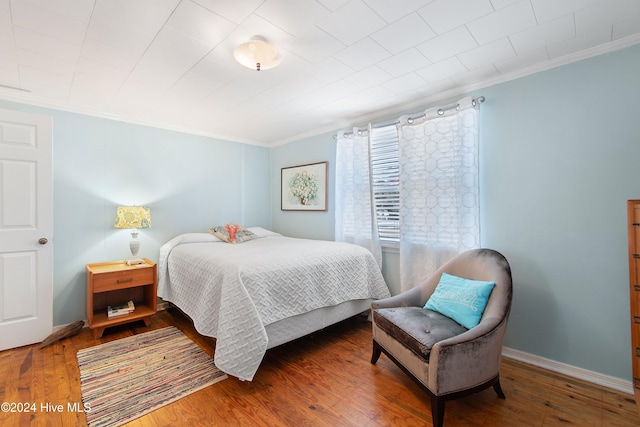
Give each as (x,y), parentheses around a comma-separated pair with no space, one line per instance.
(43,241)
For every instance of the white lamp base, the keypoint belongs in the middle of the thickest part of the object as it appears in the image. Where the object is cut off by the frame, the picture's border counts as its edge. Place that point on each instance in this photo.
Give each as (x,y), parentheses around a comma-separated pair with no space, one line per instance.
(134,246)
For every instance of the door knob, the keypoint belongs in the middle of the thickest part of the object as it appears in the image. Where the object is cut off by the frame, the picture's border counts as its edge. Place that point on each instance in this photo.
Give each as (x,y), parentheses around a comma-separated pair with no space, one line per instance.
(43,241)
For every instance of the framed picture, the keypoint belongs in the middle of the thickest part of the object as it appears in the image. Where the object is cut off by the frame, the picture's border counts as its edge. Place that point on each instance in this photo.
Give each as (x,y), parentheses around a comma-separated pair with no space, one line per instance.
(304,188)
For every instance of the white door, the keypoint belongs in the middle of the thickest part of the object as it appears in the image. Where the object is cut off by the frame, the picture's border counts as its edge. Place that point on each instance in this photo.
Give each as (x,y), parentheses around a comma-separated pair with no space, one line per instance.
(26,228)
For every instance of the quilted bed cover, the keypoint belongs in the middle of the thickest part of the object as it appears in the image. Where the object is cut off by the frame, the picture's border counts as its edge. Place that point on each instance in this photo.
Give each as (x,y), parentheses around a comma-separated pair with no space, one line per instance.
(232,291)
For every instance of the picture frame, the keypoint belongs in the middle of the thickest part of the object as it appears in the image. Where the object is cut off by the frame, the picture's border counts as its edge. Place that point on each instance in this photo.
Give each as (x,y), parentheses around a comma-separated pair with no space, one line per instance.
(304,187)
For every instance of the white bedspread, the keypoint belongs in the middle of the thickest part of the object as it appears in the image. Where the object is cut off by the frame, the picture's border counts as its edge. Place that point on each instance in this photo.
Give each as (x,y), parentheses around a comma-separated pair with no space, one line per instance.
(232,291)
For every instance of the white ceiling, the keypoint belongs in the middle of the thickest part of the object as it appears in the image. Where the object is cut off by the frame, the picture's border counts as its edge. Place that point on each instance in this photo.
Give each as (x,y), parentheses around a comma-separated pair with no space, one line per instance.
(169,63)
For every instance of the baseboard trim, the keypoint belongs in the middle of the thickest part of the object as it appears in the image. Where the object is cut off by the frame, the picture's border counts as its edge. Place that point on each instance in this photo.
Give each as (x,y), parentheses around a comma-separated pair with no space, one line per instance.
(614,383)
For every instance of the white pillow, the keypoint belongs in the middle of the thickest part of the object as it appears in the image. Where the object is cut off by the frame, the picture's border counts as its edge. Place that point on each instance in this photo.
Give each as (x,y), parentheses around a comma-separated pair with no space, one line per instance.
(198,238)
(262,232)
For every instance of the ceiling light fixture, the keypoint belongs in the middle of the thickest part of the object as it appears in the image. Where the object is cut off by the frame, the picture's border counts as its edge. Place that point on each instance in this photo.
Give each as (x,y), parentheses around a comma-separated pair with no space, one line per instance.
(257,54)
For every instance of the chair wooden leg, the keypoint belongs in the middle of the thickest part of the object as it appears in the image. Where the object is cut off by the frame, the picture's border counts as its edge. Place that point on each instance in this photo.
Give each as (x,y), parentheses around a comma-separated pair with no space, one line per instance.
(375,354)
(498,389)
(437,411)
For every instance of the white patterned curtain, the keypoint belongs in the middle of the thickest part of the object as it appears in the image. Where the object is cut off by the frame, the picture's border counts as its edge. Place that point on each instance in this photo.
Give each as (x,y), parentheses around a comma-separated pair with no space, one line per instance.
(355,215)
(439,189)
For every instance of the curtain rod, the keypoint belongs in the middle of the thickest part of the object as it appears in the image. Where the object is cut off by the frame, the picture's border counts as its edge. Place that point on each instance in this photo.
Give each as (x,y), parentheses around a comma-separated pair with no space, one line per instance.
(441,111)
(410,119)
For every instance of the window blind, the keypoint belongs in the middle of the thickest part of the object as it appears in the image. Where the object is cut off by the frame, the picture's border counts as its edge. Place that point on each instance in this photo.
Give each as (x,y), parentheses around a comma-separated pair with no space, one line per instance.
(385,177)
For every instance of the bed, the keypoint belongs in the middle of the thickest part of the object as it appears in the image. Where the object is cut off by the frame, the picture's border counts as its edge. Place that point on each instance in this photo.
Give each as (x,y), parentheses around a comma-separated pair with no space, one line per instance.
(256,295)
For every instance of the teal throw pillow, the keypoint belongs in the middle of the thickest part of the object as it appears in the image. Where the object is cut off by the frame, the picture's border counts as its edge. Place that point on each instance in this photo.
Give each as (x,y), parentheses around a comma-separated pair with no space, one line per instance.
(462,300)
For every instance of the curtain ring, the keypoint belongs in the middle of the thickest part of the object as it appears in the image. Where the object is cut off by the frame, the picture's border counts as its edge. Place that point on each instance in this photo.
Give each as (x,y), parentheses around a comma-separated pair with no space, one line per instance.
(440,112)
(410,120)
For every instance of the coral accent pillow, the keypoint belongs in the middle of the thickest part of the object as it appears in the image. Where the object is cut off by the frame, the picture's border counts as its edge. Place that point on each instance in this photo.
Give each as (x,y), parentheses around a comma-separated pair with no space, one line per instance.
(462,300)
(232,233)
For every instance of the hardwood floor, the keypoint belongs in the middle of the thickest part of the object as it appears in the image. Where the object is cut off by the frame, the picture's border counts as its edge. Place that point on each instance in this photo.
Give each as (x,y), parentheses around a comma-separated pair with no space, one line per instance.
(324,379)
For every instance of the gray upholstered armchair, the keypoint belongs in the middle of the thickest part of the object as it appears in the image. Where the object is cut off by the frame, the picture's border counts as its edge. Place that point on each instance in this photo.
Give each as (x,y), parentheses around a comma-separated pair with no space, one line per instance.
(446,359)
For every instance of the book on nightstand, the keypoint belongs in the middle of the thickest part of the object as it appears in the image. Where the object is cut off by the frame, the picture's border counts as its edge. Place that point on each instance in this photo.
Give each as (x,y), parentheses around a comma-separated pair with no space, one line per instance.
(119,310)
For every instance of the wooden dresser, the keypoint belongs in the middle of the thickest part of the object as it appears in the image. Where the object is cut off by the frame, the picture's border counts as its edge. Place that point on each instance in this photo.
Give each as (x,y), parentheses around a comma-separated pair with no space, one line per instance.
(633,218)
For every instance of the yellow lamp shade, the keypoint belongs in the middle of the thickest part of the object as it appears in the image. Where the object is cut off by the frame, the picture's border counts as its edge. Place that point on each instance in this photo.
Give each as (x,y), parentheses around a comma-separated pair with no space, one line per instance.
(133,217)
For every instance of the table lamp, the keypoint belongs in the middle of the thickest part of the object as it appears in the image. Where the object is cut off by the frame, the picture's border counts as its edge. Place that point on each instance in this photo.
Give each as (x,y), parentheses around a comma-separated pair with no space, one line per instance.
(133,217)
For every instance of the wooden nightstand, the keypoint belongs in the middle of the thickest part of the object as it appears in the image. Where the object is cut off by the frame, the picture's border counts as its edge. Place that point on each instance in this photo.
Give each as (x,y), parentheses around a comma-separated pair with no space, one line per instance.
(115,283)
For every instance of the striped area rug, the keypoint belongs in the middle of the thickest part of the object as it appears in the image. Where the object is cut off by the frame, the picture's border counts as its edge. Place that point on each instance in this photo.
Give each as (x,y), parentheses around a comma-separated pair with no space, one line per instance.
(125,379)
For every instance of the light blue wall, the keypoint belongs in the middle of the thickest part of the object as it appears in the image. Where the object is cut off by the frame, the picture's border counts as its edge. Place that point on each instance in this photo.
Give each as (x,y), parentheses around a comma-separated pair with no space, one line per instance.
(559,158)
(189,182)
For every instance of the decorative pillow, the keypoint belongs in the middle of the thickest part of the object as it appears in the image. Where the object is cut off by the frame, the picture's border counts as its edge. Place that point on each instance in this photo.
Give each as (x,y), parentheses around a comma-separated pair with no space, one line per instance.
(462,300)
(232,233)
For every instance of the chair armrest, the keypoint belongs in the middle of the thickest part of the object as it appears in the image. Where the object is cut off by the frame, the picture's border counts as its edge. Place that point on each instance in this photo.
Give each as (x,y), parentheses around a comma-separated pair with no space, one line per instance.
(410,298)
(468,359)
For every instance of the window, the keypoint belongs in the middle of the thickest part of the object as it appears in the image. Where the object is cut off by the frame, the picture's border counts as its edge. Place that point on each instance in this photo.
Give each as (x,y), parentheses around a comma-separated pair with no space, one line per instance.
(426,166)
(385,177)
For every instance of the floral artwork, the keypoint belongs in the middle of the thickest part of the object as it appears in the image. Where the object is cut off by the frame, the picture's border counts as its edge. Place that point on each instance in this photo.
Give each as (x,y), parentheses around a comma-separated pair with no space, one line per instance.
(304,187)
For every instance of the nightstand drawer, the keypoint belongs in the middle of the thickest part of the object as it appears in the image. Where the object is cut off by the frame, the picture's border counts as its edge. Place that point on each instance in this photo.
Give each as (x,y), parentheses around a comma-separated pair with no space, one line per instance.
(122,279)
